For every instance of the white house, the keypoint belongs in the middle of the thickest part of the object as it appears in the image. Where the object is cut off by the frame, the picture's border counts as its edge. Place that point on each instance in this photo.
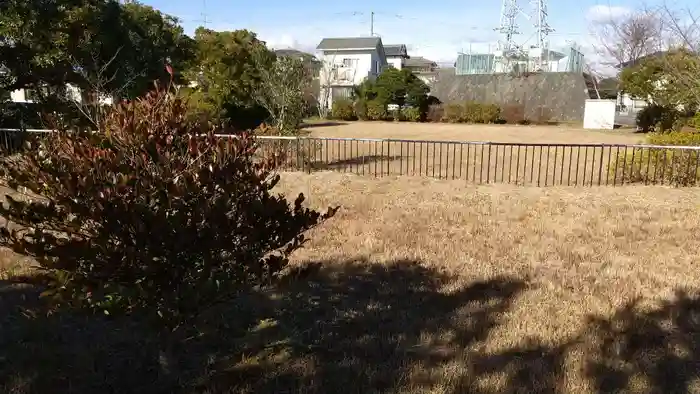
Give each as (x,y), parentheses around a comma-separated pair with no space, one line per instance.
(632,105)
(396,55)
(346,62)
(72,93)
(423,68)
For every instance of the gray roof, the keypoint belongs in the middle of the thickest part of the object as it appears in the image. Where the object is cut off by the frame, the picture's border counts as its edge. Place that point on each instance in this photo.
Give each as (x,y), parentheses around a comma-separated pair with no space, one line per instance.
(641,59)
(419,61)
(396,50)
(349,43)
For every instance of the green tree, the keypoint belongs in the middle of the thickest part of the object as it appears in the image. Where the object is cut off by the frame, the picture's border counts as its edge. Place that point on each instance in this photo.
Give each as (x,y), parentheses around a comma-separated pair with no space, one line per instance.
(226,69)
(92,44)
(281,91)
(670,79)
(154,39)
(395,86)
(641,80)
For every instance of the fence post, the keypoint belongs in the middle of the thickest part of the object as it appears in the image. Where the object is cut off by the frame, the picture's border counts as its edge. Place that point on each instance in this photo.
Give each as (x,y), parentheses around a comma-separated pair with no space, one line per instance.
(600,171)
(309,150)
(388,158)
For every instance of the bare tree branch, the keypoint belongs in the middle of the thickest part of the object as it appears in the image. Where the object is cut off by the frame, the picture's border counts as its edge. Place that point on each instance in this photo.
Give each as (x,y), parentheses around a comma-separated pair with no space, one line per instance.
(629,38)
(281,91)
(98,85)
(326,76)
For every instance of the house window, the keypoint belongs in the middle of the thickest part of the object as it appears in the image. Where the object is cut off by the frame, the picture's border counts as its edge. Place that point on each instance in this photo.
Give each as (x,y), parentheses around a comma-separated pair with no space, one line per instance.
(349,62)
(341,92)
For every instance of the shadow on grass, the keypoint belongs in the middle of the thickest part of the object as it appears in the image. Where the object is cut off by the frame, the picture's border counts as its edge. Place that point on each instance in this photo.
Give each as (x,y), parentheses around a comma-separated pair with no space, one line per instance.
(364,328)
(354,162)
(636,350)
(659,348)
(70,353)
(309,125)
(345,327)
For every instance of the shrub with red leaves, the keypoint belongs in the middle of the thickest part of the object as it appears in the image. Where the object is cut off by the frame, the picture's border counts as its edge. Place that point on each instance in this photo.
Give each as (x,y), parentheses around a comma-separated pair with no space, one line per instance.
(152,213)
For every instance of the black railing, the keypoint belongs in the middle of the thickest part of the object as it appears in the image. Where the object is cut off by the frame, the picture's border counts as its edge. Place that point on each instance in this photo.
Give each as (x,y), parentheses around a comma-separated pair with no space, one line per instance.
(493,162)
(477,162)
(12,140)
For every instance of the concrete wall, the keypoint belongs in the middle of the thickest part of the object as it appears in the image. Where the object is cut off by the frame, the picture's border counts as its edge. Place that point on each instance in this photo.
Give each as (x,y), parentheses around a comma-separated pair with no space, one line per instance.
(563,95)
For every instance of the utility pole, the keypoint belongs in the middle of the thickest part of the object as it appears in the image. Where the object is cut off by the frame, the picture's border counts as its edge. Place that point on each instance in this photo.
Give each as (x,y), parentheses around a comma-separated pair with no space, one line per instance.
(204,13)
(371,24)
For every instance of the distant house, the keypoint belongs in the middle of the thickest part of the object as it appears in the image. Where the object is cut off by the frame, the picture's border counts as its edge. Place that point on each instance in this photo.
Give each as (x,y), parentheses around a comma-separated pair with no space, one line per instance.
(346,62)
(423,68)
(641,59)
(308,59)
(396,55)
(73,93)
(626,103)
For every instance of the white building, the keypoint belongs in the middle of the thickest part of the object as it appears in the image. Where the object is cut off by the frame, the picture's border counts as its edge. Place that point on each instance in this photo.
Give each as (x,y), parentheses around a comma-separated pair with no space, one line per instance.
(345,63)
(632,105)
(72,93)
(396,55)
(424,69)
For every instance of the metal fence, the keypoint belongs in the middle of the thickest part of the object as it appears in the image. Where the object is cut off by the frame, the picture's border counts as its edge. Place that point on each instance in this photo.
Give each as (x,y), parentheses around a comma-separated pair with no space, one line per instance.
(478,162)
(493,162)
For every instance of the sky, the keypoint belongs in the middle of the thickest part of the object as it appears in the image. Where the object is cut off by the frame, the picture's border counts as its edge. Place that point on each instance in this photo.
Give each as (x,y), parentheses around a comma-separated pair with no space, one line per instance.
(438,33)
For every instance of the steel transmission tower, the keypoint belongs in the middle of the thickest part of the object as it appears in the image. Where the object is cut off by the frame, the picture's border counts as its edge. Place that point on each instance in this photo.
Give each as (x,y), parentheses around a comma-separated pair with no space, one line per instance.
(542,30)
(508,49)
(508,26)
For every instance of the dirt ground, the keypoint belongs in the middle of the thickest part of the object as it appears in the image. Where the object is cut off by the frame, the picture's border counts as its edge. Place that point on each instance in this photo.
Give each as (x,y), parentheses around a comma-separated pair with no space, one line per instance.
(468,132)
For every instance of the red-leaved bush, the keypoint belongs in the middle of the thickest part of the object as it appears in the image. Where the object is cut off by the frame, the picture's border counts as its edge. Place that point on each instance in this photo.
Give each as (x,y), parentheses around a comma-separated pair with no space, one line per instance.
(152,213)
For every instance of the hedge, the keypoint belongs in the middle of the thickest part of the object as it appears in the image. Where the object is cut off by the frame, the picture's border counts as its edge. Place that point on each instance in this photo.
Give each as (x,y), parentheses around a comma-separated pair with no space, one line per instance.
(464,112)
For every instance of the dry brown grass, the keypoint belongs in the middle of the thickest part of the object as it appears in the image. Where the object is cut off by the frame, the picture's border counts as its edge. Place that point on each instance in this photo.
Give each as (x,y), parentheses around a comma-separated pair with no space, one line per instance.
(550,259)
(468,132)
(432,286)
(475,163)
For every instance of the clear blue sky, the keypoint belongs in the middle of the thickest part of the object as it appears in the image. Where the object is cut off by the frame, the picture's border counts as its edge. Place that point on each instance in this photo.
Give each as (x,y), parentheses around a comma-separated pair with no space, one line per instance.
(437,32)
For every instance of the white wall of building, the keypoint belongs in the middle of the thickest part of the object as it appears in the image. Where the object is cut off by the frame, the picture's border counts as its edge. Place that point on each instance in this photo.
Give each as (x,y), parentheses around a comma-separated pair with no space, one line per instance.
(599,114)
(18,96)
(72,93)
(396,62)
(343,69)
(629,104)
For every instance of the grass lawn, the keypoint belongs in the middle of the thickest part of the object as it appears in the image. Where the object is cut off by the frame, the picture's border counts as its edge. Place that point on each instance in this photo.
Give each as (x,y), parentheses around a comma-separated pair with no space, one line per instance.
(470,132)
(422,286)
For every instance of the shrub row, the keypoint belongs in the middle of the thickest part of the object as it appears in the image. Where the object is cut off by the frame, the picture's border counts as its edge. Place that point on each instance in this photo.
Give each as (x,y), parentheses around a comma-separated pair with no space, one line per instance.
(466,112)
(661,118)
(372,110)
(661,165)
(471,112)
